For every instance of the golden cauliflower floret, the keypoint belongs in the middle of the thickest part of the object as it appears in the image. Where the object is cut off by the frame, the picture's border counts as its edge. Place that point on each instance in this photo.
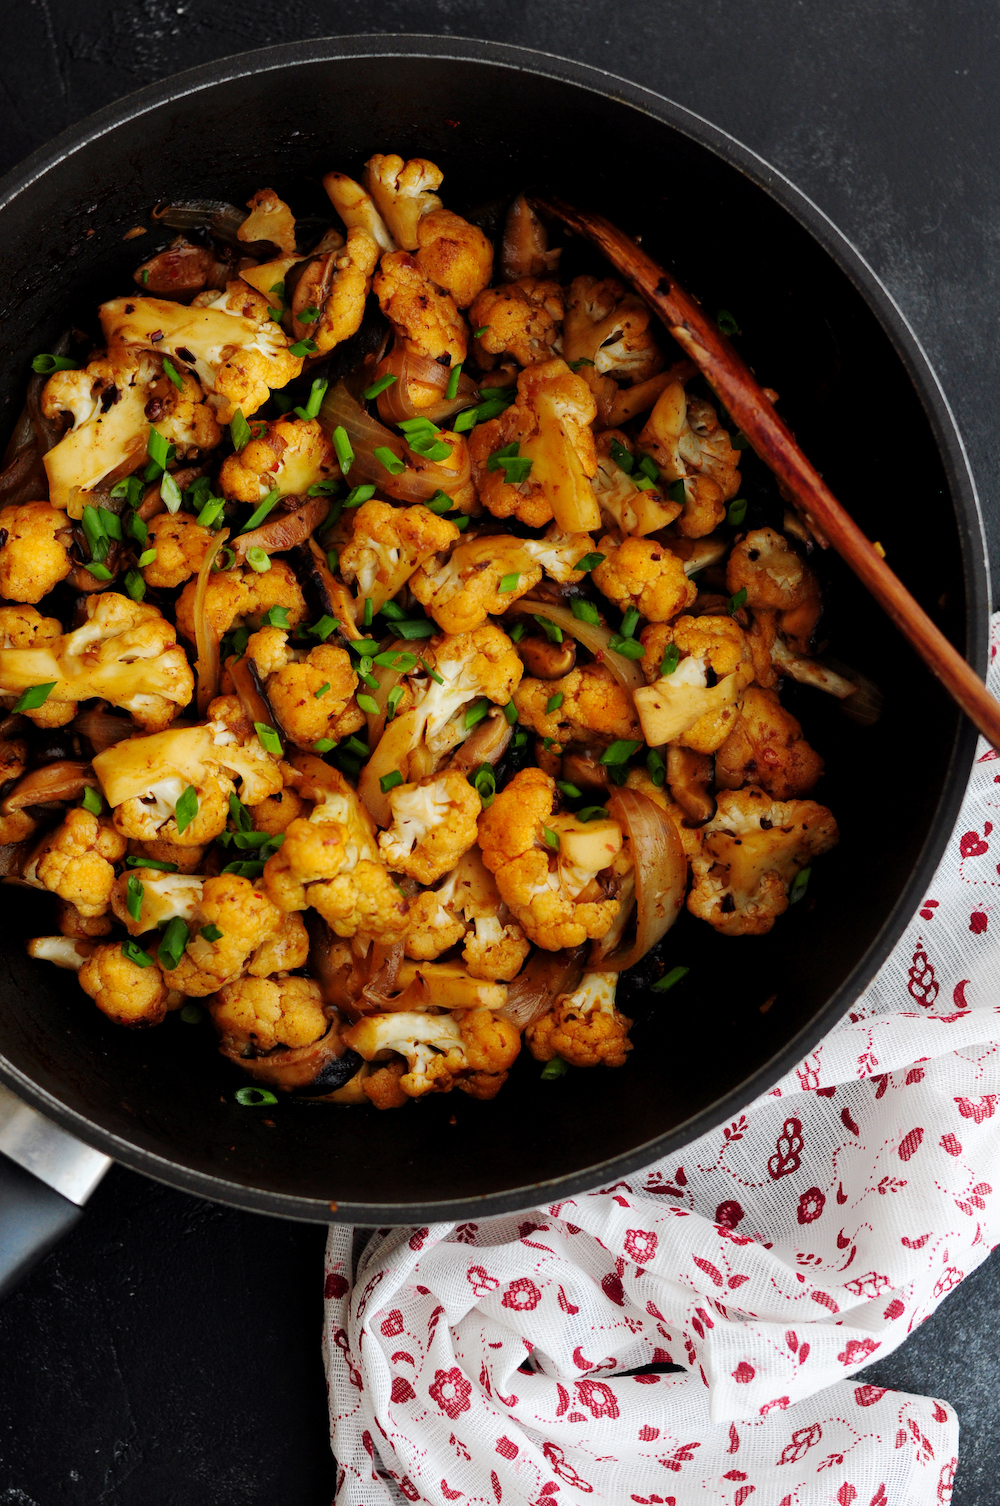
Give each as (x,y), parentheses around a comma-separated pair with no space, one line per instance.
(552,891)
(461,589)
(766,748)
(433,824)
(23,627)
(403,192)
(309,696)
(644,574)
(519,319)
(685,438)
(239,598)
(288,948)
(433,927)
(471,1049)
(468,904)
(751,851)
(335,283)
(776,579)
(594,707)
(180,543)
(584,1028)
(682,706)
(424,317)
(287,455)
(77,861)
(388,544)
(262,1013)
(275,814)
(127,993)
(454,255)
(270,219)
(336,869)
(550,422)
(607,328)
(34,553)
(245,918)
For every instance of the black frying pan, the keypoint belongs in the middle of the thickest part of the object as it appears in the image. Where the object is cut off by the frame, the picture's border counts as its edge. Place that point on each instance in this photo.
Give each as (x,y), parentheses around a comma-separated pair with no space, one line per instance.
(854,384)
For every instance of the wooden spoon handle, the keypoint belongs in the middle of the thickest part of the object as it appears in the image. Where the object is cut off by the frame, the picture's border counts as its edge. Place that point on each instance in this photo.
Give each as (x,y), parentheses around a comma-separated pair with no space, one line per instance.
(748,404)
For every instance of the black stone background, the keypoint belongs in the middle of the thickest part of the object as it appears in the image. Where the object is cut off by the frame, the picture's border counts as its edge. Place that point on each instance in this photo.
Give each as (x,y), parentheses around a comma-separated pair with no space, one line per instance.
(168,1353)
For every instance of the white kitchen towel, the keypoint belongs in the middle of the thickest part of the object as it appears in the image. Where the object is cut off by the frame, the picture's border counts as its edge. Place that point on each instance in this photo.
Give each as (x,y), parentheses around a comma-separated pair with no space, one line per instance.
(482,1364)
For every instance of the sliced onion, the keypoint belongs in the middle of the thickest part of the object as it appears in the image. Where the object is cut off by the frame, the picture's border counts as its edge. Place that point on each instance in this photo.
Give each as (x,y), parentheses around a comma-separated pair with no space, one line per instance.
(538,985)
(419,480)
(591,635)
(409,368)
(377,994)
(206,638)
(102,730)
(388,679)
(660,869)
(393,752)
(284,531)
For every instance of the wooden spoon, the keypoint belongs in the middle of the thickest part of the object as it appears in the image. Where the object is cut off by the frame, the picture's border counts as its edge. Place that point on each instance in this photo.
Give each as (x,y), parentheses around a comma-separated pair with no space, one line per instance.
(744,398)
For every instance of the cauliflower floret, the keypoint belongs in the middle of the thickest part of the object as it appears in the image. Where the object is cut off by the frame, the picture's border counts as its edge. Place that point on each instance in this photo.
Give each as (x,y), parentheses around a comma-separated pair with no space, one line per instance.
(608,328)
(685,438)
(481,663)
(682,706)
(468,904)
(776,579)
(632,510)
(454,255)
(319,864)
(238,352)
(77,861)
(123,990)
(113,402)
(336,283)
(594,708)
(766,748)
(245,918)
(288,456)
(239,751)
(584,1028)
(433,824)
(275,814)
(270,219)
(550,422)
(471,1049)
(520,319)
(262,1013)
(403,192)
(433,927)
(387,546)
(34,553)
(23,627)
(559,553)
(552,892)
(288,948)
(181,545)
(356,208)
(309,692)
(425,318)
(461,589)
(751,851)
(240,598)
(125,653)
(644,574)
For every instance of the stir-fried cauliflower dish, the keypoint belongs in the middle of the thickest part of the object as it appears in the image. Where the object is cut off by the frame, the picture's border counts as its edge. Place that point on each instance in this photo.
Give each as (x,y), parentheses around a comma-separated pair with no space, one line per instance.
(392,652)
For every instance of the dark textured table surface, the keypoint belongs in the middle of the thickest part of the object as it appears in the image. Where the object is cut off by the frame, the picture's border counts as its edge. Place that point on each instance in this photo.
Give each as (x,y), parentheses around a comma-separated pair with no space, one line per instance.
(168,1353)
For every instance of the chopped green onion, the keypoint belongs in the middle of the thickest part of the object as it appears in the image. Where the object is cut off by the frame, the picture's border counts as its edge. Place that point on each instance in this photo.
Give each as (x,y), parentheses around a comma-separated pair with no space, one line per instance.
(669,979)
(643,483)
(110,522)
(132,862)
(211,512)
(239,813)
(342,445)
(677,493)
(133,897)
(516,468)
(251,1097)
(739,441)
(585,611)
(509,583)
(484,782)
(278,289)
(99,572)
(321,691)
(145,277)
(316,395)
(455,376)
(736,511)
(629,648)
(308,315)
(671,659)
(368,705)
(392,702)
(554,702)
(649,468)
(175,938)
(324,745)
(363,646)
(510,712)
(518,631)
(439,503)
(46,364)
(520,739)
(629,623)
(461,523)
(359,494)
(234,644)
(551,837)
(394,658)
(620,751)
(389,781)
(158,448)
(578,365)
(592,813)
(192,1013)
(332,562)
(553,634)
(554,1069)
(135,954)
(170,492)
(269,739)
(736,601)
(727,323)
(186,808)
(569,790)
(417,628)
(250,868)
(623,458)
(491,406)
(356,746)
(656,768)
(303,348)
(799,886)
(275,617)
(478,334)
(324,488)
(171,371)
(372,392)
(260,512)
(258,559)
(130,490)
(94,532)
(367,613)
(92,801)
(34,696)
(476,712)
(389,460)
(282,400)
(323,628)
(135,585)
(590,562)
(438,679)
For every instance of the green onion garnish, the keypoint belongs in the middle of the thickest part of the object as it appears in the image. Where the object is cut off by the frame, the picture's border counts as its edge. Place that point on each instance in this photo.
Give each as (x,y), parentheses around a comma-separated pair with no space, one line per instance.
(389,781)
(516,468)
(132,862)
(186,808)
(736,511)
(323,628)
(136,954)
(175,938)
(509,583)
(343,447)
(303,348)
(585,611)
(620,751)
(34,696)
(569,790)
(417,628)
(671,659)
(251,1097)
(316,395)
(324,745)
(455,376)
(553,634)
(551,837)
(321,691)
(554,1069)
(590,562)
(629,623)
(510,712)
(736,601)
(554,702)
(269,739)
(275,617)
(170,492)
(258,559)
(389,460)
(92,801)
(46,364)
(171,371)
(627,647)
(476,712)
(359,494)
(135,585)
(134,891)
(259,513)
(669,979)
(656,768)
(484,782)
(727,323)
(368,704)
(210,933)
(799,886)
(372,392)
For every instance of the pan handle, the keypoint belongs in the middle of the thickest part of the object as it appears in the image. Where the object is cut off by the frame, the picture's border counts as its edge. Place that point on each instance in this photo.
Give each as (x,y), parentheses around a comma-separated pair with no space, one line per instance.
(32,1219)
